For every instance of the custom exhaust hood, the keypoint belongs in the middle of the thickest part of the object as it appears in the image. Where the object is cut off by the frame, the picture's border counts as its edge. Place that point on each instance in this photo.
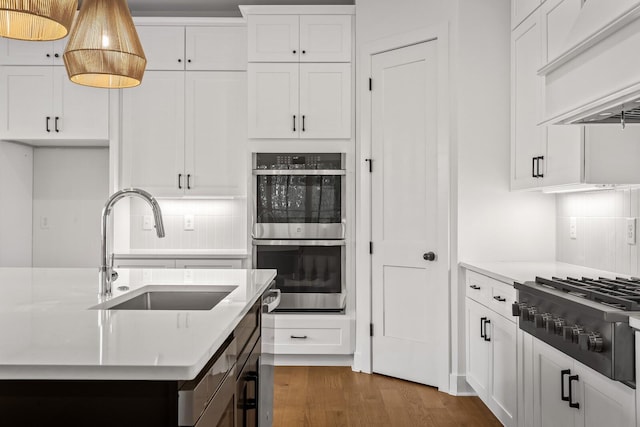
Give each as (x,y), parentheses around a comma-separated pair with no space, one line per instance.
(597,77)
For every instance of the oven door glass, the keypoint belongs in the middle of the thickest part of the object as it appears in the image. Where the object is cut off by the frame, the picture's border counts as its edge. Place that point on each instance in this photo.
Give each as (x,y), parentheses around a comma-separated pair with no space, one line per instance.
(297,199)
(303,268)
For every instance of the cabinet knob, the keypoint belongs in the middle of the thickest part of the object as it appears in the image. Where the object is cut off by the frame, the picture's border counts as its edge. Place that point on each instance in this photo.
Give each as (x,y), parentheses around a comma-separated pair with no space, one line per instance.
(48,55)
(188,60)
(57,55)
(295,51)
(179,60)
(304,52)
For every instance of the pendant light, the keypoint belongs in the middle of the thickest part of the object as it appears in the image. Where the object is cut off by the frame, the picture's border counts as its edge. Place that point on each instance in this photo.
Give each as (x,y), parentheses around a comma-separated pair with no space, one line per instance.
(36,19)
(104,49)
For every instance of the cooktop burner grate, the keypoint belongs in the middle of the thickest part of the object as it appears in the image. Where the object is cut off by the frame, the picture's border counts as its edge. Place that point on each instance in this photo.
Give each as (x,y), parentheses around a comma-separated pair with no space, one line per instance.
(623,294)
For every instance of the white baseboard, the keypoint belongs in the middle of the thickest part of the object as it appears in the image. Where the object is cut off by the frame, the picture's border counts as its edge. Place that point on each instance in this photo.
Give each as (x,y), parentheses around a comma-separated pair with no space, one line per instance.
(313,360)
(458,386)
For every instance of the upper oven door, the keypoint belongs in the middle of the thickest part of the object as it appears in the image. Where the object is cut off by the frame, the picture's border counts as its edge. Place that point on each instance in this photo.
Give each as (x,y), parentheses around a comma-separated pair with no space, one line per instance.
(299,204)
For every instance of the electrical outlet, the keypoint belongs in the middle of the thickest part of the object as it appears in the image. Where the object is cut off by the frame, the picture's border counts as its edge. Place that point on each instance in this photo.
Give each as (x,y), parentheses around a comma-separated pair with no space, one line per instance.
(631,231)
(188,276)
(147,222)
(573,228)
(188,222)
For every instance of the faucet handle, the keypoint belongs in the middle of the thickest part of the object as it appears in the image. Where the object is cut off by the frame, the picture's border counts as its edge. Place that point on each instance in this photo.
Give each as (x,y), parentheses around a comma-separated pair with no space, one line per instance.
(114,275)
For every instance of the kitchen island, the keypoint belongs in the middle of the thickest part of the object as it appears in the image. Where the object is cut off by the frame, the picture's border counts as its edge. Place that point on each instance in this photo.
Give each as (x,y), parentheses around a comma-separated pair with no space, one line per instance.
(63,357)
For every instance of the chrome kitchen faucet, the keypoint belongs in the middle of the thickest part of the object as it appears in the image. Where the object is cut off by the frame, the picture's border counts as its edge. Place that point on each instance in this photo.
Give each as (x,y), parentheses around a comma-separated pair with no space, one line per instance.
(107,274)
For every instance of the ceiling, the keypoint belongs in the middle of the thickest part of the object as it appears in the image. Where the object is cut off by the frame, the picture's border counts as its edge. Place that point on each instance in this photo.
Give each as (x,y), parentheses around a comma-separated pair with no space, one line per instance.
(209,7)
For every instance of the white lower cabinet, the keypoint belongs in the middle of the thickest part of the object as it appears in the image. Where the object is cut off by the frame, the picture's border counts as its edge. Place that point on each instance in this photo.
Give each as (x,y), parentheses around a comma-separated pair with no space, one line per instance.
(491,360)
(567,393)
(309,334)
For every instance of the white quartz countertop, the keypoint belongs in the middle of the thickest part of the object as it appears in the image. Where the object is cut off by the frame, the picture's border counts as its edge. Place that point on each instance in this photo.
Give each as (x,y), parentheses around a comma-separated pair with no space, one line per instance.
(48,329)
(182,254)
(509,272)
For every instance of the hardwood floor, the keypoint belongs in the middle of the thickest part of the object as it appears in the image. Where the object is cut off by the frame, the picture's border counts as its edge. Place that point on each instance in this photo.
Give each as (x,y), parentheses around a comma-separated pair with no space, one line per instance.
(337,396)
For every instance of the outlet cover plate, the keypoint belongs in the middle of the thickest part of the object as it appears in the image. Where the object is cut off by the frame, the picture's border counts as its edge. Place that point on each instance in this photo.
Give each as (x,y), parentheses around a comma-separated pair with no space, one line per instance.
(573,228)
(189,222)
(630,231)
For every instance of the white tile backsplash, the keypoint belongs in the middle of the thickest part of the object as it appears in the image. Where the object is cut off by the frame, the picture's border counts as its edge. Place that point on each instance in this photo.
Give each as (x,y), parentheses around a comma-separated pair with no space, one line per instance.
(601,220)
(218,224)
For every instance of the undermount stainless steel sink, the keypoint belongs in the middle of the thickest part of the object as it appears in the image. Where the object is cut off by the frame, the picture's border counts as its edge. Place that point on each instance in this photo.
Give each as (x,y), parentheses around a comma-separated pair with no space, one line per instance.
(172,301)
(170,298)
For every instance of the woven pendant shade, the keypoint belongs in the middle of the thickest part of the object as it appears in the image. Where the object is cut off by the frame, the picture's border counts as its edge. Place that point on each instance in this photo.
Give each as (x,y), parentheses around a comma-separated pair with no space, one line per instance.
(36,19)
(104,49)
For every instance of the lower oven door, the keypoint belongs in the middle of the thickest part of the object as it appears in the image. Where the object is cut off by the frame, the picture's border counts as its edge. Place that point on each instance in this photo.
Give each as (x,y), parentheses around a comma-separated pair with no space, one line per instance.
(310,273)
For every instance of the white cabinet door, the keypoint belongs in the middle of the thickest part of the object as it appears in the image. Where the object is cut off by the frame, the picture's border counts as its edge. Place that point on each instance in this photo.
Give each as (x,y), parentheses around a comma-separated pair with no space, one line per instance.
(273,38)
(216,133)
(80,112)
(26,109)
(520,9)
(325,100)
(549,378)
(163,46)
(20,52)
(527,138)
(153,134)
(477,348)
(602,402)
(503,389)
(273,101)
(325,38)
(216,48)
(557,18)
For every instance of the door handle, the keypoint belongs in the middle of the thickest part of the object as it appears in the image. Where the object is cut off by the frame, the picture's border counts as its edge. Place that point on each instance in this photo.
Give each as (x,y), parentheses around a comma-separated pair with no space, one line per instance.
(482,332)
(188,181)
(562,374)
(573,404)
(47,124)
(429,256)
(303,129)
(180,181)
(533,167)
(538,174)
(486,336)
(56,124)
(499,298)
(474,287)
(294,122)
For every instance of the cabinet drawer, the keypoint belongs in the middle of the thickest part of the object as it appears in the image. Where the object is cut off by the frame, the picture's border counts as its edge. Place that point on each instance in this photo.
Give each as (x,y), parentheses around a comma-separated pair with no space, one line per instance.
(309,341)
(496,295)
(502,297)
(247,325)
(478,287)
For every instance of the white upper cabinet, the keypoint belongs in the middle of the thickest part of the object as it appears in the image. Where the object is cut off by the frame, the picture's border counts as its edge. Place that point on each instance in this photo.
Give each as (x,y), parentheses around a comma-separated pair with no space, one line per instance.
(216,156)
(527,138)
(520,9)
(273,38)
(184,134)
(163,46)
(40,103)
(325,38)
(207,48)
(273,100)
(153,134)
(19,52)
(325,100)
(308,101)
(304,38)
(556,19)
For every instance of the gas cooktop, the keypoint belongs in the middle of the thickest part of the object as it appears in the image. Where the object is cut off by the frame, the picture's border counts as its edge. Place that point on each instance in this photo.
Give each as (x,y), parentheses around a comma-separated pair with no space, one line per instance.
(618,293)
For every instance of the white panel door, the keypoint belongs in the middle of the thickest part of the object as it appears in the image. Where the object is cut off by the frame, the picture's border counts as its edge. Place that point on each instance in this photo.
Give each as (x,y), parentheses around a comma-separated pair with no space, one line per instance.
(325,38)
(80,112)
(406,303)
(153,134)
(325,100)
(26,102)
(603,402)
(551,371)
(478,348)
(163,46)
(527,138)
(273,38)
(216,133)
(504,387)
(273,101)
(216,48)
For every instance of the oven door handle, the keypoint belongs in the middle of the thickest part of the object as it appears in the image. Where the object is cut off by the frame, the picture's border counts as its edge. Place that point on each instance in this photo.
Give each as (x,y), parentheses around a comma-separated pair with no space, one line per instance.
(310,172)
(257,242)
(272,301)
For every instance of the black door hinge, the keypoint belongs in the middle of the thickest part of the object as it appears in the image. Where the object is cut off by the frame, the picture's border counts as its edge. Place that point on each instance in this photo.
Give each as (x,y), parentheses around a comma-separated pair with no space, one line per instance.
(370,161)
(370,84)
(370,329)
(370,247)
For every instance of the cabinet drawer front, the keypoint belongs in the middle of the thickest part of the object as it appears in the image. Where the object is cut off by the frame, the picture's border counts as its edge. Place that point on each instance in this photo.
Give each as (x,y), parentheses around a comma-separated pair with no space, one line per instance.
(310,341)
(502,297)
(478,287)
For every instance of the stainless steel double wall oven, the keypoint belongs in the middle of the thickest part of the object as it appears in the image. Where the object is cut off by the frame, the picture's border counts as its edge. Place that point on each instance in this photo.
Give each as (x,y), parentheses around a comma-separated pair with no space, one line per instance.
(299,227)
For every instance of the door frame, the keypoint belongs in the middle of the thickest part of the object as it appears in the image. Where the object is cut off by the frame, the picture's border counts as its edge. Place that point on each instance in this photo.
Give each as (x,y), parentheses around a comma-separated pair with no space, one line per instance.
(363,351)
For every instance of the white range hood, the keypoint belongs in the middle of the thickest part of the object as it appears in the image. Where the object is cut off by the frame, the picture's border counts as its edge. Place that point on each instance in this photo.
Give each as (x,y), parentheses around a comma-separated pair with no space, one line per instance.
(597,76)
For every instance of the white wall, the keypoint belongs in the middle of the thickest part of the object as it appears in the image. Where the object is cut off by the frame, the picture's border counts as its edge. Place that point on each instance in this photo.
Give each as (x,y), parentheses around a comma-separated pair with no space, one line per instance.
(70,187)
(600,233)
(16,183)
